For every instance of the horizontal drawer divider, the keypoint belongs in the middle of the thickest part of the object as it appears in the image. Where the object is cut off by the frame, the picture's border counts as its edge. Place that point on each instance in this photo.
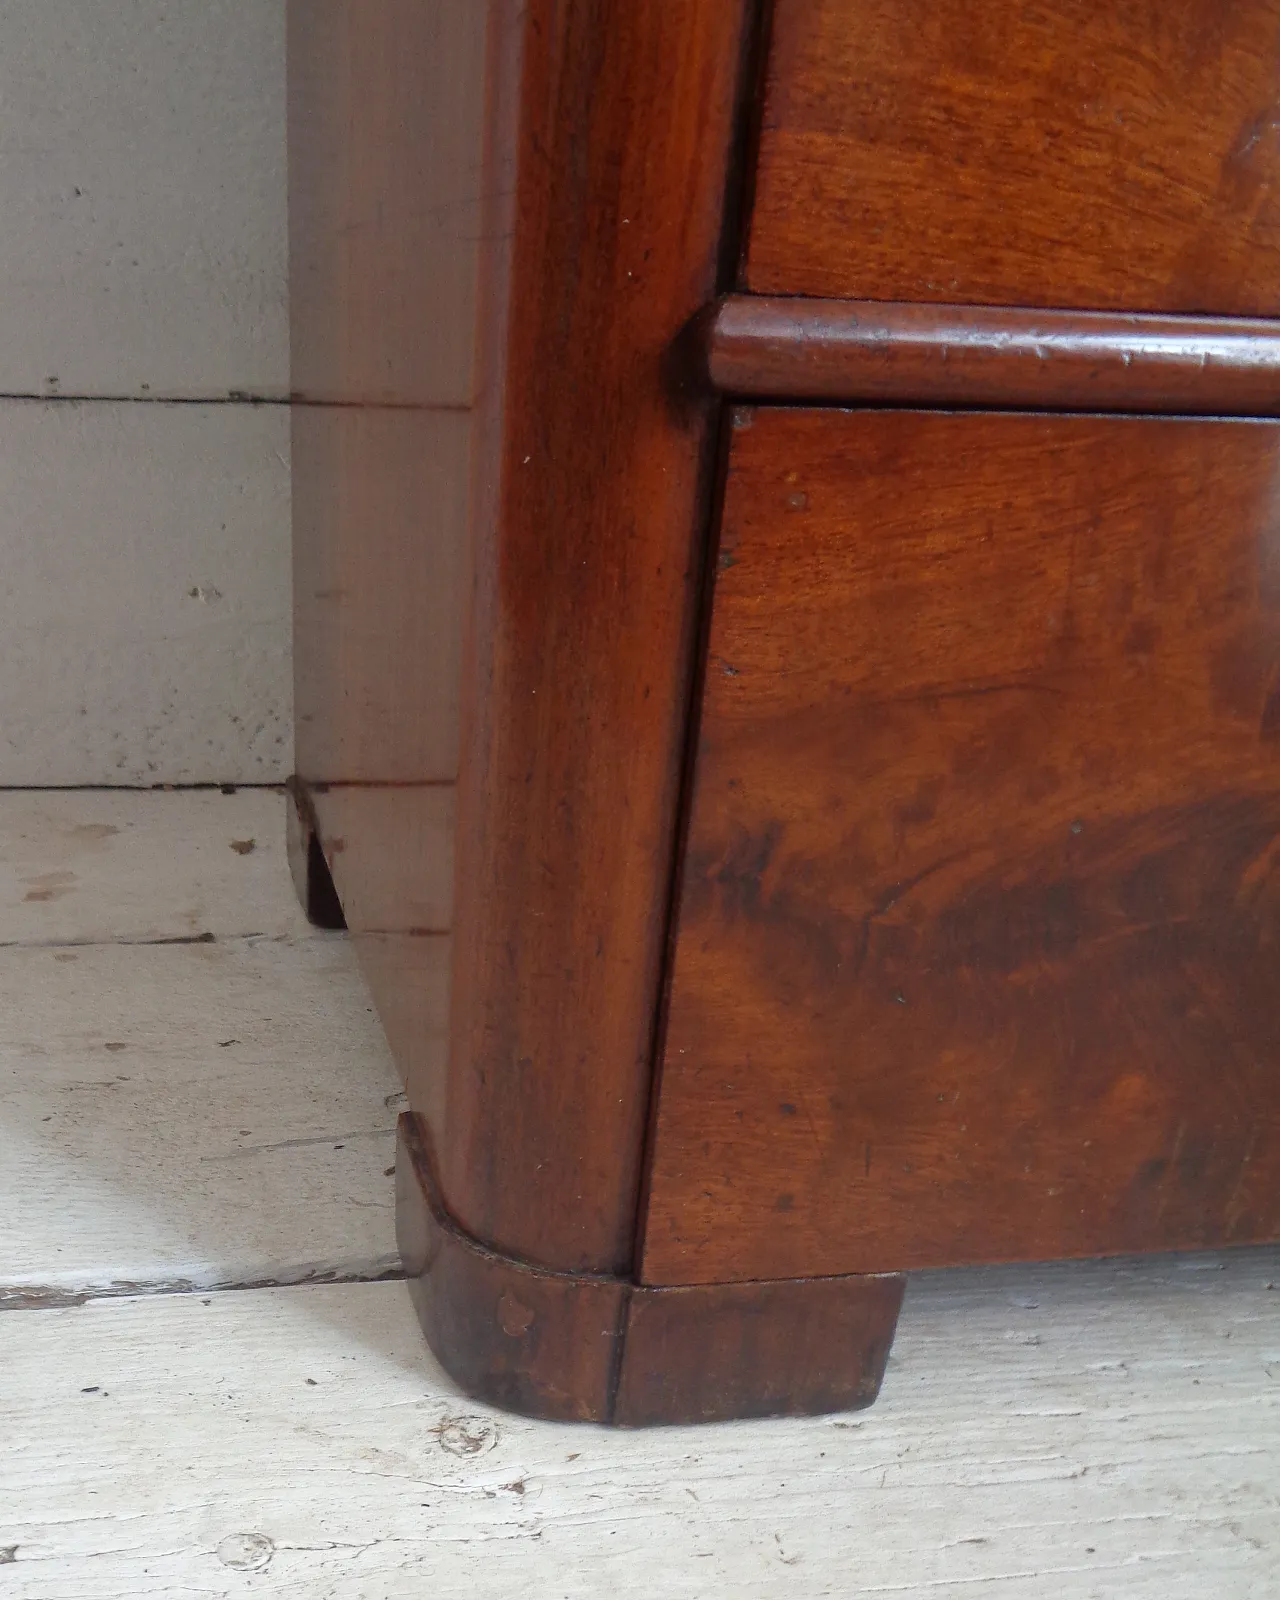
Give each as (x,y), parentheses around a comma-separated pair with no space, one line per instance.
(861,350)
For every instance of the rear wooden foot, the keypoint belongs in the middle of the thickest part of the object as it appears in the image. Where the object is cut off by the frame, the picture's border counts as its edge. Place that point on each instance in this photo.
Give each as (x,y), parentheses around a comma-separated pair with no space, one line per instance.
(312,879)
(572,1347)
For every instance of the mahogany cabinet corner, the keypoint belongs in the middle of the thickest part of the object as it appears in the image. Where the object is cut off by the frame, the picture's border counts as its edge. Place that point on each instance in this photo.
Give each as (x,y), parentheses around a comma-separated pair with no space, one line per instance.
(787,639)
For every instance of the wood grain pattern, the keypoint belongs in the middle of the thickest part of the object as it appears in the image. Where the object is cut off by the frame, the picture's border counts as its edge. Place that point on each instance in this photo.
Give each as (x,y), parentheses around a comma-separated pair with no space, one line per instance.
(842,350)
(536,1342)
(607,183)
(977,938)
(513,459)
(584,1347)
(1077,155)
(1090,1428)
(723,1352)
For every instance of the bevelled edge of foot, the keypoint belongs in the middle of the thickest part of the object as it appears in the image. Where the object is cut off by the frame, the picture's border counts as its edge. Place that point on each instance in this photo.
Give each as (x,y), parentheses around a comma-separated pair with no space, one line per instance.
(791,1347)
(577,1347)
(312,880)
(536,1342)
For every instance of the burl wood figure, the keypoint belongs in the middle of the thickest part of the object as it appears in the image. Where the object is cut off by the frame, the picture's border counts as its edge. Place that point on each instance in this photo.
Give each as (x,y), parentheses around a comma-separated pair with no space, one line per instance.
(788,655)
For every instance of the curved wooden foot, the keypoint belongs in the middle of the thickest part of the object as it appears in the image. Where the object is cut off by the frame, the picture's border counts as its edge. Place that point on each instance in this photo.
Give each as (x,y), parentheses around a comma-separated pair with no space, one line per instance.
(574,1347)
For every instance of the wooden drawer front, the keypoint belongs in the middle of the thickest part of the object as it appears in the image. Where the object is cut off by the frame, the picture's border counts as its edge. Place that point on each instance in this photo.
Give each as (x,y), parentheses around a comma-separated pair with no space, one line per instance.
(979,932)
(1080,153)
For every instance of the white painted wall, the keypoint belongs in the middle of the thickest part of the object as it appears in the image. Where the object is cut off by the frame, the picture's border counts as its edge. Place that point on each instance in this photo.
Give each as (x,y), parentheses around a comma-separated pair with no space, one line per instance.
(144,546)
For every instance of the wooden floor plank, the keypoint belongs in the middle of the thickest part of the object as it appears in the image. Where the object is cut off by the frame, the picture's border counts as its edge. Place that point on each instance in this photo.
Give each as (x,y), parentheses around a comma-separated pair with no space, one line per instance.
(1053,1434)
(221,1113)
(119,865)
(200,1114)
(173,1113)
(145,613)
(143,190)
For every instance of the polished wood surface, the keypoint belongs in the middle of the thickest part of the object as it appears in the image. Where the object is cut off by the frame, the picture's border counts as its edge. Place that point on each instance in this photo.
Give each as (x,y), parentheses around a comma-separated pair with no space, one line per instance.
(977,937)
(593,1348)
(535,1341)
(538,1342)
(935,875)
(1078,155)
(722,1351)
(841,350)
(503,217)
(591,503)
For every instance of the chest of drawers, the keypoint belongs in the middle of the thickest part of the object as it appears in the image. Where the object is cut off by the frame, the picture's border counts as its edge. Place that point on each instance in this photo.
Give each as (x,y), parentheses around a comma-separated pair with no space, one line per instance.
(788,655)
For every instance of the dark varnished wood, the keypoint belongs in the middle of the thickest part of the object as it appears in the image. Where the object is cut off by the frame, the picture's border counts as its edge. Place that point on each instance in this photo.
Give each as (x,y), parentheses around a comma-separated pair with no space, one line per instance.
(582,1348)
(1078,154)
(977,945)
(841,350)
(719,1351)
(607,174)
(976,924)
(503,214)
(542,481)
(538,1342)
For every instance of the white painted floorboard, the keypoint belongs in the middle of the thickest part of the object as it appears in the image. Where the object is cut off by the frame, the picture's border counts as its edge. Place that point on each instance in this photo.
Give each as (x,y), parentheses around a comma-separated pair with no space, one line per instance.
(1065,1434)
(122,866)
(144,548)
(179,1113)
(191,1114)
(145,593)
(142,187)
(1075,1432)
